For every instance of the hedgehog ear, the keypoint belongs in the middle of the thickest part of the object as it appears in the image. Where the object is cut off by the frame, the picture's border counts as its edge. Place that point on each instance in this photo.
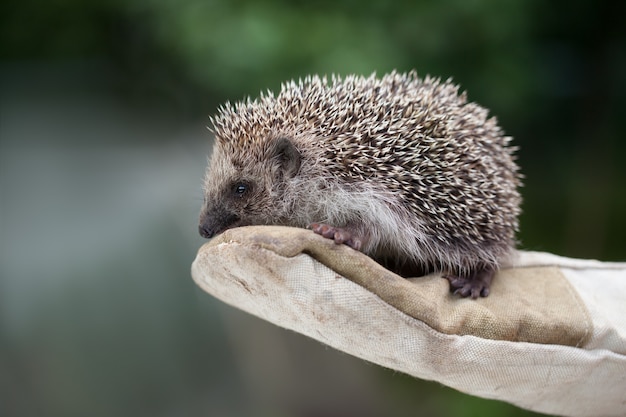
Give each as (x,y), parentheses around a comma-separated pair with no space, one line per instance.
(287,155)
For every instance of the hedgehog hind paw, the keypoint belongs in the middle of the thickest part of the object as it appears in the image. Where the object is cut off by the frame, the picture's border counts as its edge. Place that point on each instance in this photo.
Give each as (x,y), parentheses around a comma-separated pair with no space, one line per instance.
(338,234)
(473,285)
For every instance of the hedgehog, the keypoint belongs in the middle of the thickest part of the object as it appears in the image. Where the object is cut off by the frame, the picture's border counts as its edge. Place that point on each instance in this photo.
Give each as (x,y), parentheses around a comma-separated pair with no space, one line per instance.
(401,168)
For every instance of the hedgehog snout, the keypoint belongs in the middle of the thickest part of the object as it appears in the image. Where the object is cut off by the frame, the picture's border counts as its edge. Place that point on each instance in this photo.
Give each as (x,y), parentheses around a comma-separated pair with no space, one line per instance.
(212,224)
(206,232)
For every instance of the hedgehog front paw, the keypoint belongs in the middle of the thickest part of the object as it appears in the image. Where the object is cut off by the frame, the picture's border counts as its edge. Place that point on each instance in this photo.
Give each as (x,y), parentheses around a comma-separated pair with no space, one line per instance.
(338,234)
(474,285)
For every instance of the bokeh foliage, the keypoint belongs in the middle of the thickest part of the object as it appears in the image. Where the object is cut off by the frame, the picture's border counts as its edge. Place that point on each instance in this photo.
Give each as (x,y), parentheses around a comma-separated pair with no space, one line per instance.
(554,73)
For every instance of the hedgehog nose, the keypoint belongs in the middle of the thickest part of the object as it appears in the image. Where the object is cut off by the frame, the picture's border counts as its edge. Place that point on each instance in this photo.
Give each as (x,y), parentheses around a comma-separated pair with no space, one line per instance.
(205,232)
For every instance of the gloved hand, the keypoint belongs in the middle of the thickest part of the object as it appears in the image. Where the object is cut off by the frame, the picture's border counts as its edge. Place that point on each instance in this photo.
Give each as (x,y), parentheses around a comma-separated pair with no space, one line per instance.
(551,336)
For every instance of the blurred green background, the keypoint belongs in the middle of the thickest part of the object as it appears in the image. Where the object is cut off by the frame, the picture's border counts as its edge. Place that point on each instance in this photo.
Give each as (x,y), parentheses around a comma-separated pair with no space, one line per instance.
(103,145)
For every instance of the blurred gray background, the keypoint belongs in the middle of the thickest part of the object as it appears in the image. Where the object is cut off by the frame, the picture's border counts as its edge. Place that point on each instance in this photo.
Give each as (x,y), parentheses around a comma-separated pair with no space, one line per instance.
(103,145)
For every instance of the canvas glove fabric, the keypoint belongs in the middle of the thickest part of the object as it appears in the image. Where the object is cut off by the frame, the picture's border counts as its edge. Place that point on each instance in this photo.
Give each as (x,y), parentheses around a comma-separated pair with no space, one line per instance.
(551,336)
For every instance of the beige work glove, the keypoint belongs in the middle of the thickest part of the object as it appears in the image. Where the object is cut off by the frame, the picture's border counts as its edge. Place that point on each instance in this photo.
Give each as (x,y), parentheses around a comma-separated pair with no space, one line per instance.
(551,336)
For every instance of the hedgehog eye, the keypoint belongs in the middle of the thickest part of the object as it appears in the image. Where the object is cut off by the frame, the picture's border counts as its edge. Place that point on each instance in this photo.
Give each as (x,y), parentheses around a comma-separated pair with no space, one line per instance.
(240,188)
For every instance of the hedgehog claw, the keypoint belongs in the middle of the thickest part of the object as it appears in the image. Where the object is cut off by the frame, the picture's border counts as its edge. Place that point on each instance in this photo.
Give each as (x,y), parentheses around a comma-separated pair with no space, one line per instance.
(473,285)
(338,234)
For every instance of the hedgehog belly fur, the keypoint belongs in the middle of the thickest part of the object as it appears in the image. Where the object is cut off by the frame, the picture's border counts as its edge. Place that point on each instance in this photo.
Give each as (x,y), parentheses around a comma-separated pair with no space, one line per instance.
(394,233)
